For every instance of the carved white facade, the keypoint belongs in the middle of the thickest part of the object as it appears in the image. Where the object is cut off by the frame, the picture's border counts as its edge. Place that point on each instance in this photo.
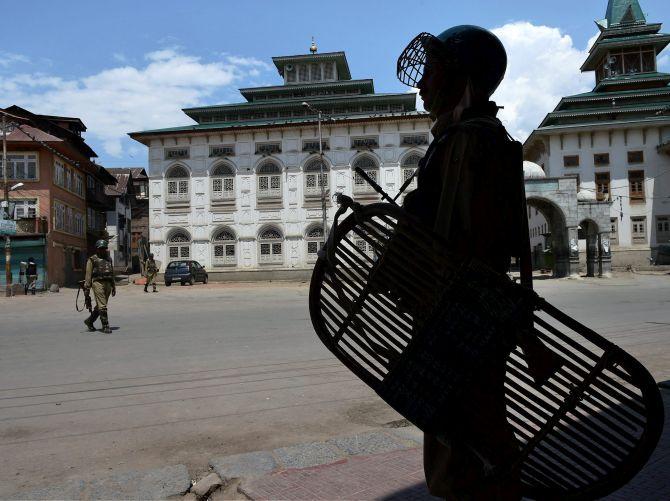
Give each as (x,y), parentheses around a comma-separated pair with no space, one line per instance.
(250,211)
(242,189)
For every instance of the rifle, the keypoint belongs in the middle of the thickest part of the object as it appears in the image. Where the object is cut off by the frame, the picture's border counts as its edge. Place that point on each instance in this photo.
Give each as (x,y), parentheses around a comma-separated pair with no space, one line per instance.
(87,298)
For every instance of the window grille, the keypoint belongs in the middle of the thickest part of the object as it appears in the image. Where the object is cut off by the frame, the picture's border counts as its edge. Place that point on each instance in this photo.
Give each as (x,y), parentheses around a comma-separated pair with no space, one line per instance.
(303,73)
(312,145)
(223,183)
(636,186)
(179,246)
(662,229)
(222,151)
(639,229)
(271,247)
(364,143)
(602,186)
(177,187)
(314,240)
(371,168)
(314,179)
(268,148)
(176,153)
(290,74)
(414,140)
(397,108)
(269,181)
(571,161)
(224,249)
(177,172)
(601,159)
(635,157)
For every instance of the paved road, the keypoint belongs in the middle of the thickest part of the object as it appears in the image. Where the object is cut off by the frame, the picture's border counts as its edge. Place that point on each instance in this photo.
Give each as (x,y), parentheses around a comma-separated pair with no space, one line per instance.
(198,372)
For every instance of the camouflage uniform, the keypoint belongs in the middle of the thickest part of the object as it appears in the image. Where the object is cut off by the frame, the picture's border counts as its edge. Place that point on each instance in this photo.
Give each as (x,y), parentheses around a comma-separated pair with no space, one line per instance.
(99,279)
(151,269)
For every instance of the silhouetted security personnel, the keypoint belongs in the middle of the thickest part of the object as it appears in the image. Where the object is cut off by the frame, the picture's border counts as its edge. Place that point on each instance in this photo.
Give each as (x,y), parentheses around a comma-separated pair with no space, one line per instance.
(461,190)
(151,269)
(100,279)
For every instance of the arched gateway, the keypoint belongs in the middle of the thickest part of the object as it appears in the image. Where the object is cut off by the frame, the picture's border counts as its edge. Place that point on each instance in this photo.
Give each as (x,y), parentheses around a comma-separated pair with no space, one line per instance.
(570,216)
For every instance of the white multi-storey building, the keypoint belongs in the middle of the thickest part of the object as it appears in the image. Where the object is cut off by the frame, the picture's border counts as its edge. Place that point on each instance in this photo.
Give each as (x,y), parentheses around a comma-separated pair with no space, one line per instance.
(615,140)
(240,190)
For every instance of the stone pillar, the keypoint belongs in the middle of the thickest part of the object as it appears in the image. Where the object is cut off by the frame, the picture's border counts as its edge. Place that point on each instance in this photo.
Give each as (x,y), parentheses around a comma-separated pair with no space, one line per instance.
(573,246)
(604,255)
(592,253)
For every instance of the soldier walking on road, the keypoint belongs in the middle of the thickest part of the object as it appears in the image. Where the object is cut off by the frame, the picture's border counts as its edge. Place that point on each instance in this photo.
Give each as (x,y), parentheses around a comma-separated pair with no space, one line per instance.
(100,279)
(151,269)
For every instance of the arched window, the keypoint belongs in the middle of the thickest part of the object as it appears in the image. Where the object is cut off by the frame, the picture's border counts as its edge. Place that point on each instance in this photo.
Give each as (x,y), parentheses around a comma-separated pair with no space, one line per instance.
(223,182)
(371,168)
(271,246)
(179,246)
(269,180)
(224,248)
(177,184)
(314,179)
(314,239)
(409,166)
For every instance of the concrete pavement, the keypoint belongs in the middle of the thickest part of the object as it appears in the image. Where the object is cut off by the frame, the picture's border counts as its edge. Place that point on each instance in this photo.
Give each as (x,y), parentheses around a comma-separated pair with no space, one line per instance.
(195,373)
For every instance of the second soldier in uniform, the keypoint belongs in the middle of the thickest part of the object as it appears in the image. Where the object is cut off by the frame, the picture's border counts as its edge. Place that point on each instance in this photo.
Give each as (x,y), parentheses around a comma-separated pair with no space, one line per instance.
(151,269)
(100,279)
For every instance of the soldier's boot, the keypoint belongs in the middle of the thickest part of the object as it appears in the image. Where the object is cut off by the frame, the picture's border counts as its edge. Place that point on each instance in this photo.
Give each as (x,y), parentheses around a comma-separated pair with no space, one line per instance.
(145,287)
(155,288)
(105,323)
(91,319)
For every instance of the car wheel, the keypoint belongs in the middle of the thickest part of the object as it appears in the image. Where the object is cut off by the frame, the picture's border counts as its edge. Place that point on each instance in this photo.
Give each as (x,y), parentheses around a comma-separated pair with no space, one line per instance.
(168,284)
(191,281)
(183,283)
(205,280)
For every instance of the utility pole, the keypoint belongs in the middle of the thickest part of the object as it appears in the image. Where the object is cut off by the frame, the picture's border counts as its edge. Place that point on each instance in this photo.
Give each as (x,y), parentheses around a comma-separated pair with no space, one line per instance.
(322,177)
(8,242)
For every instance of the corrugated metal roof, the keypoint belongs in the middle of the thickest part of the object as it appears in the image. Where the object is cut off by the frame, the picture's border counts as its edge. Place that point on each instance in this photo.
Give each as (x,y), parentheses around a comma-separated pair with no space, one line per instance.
(121,186)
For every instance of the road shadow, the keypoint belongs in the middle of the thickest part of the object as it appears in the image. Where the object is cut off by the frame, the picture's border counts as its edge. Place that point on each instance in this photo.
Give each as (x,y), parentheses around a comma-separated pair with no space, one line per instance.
(416,492)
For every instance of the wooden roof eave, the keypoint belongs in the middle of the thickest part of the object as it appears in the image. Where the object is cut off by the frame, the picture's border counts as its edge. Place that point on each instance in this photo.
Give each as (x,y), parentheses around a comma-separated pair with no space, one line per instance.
(145,137)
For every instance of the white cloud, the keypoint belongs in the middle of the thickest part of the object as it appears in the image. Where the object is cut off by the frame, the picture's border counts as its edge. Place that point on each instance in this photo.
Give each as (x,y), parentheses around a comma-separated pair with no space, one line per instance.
(128,98)
(543,66)
(9,58)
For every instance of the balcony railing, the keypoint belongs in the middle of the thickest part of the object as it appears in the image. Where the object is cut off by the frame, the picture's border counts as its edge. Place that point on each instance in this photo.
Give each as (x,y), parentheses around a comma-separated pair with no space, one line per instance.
(224,260)
(178,197)
(315,191)
(223,195)
(269,193)
(31,225)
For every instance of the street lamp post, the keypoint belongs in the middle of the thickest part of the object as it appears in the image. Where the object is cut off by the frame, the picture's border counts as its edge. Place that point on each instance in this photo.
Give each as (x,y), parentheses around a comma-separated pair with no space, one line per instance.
(8,242)
(321,173)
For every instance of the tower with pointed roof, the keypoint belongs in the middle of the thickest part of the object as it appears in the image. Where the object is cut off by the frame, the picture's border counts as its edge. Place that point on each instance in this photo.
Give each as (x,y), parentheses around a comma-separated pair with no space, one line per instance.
(616,138)
(239,190)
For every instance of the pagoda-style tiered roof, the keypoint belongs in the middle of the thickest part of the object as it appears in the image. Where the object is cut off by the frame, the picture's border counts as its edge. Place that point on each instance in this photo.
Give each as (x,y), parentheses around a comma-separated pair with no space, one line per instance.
(322,80)
(628,86)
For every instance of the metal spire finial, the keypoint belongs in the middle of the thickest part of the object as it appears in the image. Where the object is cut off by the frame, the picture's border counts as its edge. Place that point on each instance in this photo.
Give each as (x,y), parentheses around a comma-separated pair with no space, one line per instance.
(313,48)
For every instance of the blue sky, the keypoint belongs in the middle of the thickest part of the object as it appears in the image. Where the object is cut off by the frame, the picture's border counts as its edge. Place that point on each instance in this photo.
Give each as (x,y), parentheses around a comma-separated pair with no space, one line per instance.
(131,65)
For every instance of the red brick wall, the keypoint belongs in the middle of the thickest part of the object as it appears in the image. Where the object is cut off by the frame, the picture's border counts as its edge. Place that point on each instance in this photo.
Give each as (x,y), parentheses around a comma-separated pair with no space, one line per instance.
(60,245)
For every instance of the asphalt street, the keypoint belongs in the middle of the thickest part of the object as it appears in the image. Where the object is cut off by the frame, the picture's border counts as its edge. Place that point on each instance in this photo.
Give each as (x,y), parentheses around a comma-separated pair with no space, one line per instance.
(196,372)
